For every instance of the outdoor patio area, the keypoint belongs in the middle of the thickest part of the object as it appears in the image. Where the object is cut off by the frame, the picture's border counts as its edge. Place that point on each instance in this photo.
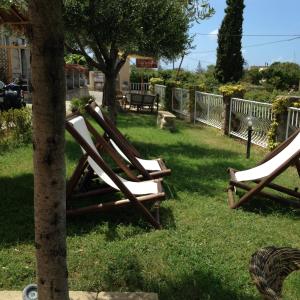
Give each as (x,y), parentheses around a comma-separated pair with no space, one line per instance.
(204,248)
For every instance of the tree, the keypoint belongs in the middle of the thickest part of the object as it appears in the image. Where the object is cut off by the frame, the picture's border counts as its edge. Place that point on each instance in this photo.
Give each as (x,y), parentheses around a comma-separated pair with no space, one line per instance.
(107,31)
(254,75)
(229,65)
(48,81)
(199,68)
(282,75)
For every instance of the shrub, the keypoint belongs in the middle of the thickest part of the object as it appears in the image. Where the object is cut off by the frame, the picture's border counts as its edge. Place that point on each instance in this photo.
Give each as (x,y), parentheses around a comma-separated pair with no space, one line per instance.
(282,75)
(15,127)
(79,103)
(170,84)
(279,107)
(233,90)
(261,95)
(154,81)
(253,75)
(208,81)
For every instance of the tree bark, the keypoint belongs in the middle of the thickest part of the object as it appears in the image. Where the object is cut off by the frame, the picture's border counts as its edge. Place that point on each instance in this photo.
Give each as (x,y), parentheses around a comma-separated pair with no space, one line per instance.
(109,96)
(48,82)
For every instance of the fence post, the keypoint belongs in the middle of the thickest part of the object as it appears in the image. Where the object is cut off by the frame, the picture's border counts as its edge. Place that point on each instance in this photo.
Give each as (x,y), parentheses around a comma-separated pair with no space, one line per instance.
(230,117)
(172,99)
(181,99)
(288,124)
(227,105)
(192,106)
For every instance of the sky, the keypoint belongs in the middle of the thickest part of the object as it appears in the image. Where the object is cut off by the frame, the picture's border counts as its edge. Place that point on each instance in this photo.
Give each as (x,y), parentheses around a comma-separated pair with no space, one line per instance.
(261,17)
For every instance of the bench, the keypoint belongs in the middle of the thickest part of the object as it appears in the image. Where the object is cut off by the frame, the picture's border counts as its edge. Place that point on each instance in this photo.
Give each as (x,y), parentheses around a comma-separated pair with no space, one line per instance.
(140,101)
(166,120)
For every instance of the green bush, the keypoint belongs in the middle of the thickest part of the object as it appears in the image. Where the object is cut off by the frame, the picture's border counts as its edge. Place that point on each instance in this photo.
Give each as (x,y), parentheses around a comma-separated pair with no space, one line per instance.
(15,127)
(80,103)
(282,75)
(170,84)
(253,75)
(261,95)
(233,90)
(279,107)
(141,75)
(208,82)
(154,81)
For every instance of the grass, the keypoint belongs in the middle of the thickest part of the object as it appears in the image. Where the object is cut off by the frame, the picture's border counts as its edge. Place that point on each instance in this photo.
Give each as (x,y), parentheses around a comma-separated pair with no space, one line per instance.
(204,249)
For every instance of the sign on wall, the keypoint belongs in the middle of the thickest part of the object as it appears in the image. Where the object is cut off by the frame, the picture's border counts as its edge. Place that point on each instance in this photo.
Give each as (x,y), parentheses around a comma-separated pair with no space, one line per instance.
(146,63)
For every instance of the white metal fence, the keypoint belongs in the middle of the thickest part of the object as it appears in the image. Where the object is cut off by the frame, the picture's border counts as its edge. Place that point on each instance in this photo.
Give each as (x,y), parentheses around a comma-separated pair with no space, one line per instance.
(293,120)
(139,87)
(180,101)
(161,91)
(246,112)
(208,109)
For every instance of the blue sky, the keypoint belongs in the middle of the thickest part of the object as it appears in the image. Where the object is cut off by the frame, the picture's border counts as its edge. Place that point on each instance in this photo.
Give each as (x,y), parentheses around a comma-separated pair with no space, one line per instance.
(270,17)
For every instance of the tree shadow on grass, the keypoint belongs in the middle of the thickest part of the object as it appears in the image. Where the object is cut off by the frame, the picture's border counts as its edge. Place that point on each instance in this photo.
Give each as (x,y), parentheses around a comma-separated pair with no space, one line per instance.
(266,206)
(17,215)
(16,205)
(124,272)
(129,217)
(189,174)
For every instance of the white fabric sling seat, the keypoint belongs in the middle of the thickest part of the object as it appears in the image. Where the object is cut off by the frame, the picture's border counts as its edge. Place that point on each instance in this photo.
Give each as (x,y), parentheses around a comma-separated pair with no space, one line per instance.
(275,163)
(136,188)
(271,165)
(148,164)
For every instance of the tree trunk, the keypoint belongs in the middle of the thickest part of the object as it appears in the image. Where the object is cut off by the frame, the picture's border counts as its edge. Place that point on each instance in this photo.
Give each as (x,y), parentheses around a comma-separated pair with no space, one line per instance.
(110,96)
(48,81)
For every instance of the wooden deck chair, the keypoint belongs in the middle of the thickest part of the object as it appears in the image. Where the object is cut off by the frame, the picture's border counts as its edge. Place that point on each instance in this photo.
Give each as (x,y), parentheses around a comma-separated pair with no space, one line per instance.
(285,155)
(155,168)
(137,192)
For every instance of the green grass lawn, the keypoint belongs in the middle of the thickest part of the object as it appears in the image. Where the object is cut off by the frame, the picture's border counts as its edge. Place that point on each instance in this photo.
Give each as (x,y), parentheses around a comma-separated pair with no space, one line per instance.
(203,252)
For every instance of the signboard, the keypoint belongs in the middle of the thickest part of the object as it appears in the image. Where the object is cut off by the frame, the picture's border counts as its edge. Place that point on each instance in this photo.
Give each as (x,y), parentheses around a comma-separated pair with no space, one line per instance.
(146,63)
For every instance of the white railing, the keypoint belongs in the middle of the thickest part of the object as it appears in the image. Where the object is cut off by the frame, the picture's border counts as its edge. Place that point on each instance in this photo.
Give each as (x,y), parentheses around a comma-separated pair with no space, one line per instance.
(180,101)
(139,87)
(161,91)
(293,120)
(208,109)
(259,113)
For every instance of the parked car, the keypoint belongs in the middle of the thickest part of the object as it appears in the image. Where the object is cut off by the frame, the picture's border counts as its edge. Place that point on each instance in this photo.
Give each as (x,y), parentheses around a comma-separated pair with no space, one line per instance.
(11,96)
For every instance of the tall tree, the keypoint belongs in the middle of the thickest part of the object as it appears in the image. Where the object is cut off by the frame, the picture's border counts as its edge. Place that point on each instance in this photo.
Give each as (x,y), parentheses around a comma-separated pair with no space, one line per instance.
(46,35)
(199,68)
(229,65)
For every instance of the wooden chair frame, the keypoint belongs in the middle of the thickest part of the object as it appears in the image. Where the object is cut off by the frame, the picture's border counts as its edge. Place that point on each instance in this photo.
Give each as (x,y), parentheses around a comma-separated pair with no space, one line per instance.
(131,153)
(82,166)
(267,181)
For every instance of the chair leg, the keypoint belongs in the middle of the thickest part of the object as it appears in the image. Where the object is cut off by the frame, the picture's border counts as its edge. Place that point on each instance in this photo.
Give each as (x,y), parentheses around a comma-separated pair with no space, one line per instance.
(231,198)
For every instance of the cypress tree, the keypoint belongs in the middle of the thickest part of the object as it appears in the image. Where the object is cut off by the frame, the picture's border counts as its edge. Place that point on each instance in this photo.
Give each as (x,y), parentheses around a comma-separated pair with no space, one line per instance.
(229,65)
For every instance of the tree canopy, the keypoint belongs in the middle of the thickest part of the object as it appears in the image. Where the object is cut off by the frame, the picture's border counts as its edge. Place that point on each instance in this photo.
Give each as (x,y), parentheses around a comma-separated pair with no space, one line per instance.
(282,75)
(101,30)
(105,32)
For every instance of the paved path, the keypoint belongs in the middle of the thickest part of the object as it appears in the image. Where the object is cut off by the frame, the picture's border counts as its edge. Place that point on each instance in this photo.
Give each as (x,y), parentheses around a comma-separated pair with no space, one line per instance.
(98,97)
(15,295)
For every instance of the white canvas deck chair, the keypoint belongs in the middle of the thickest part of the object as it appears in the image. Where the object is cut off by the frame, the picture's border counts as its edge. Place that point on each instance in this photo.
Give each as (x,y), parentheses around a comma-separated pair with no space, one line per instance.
(155,168)
(137,193)
(284,156)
